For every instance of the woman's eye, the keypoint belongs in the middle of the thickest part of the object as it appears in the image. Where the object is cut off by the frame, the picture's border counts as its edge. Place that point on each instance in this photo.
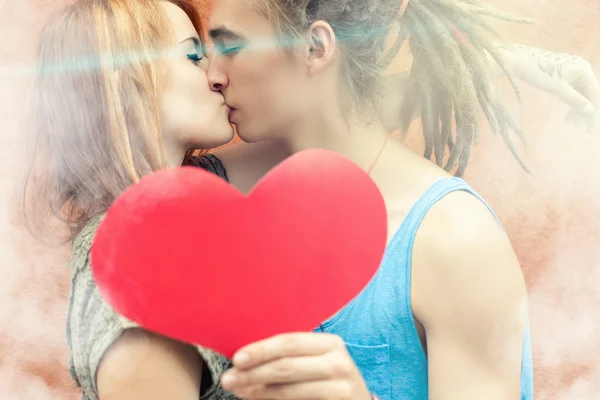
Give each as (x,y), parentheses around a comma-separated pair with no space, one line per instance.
(195,57)
(198,54)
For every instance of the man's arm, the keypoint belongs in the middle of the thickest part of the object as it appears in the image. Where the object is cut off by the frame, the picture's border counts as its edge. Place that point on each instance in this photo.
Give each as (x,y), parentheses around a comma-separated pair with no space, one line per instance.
(469,294)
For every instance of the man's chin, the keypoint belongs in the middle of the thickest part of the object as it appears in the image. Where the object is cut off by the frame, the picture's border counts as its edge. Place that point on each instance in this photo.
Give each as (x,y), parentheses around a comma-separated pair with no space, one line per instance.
(246,136)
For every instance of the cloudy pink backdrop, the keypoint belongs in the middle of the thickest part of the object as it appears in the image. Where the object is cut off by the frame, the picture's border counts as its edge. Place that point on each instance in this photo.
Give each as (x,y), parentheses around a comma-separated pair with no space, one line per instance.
(552,217)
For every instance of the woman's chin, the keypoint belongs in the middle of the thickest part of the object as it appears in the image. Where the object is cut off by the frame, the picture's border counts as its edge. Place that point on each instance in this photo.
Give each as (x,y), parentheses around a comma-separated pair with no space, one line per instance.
(216,138)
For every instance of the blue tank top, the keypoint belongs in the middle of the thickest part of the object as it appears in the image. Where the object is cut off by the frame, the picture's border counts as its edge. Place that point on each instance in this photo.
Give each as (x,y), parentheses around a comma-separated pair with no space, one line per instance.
(378,325)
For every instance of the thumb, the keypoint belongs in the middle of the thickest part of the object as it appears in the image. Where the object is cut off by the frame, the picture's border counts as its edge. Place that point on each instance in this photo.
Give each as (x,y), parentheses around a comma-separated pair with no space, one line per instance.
(578,103)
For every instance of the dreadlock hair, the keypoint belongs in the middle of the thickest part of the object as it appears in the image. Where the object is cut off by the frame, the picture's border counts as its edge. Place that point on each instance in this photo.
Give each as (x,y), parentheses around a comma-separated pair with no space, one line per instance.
(451,77)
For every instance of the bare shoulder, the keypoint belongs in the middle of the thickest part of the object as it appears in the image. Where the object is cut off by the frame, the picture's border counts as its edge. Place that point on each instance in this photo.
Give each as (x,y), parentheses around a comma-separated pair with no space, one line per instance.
(469,294)
(460,221)
(463,259)
(142,365)
(247,163)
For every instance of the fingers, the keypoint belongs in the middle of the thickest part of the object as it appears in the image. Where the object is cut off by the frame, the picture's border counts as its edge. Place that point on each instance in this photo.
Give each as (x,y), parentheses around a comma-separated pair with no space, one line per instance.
(289,370)
(295,366)
(583,79)
(300,391)
(286,345)
(578,102)
(591,90)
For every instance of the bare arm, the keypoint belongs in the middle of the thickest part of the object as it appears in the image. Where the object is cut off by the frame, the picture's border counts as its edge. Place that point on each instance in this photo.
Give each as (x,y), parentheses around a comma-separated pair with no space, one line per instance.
(141,365)
(568,77)
(470,296)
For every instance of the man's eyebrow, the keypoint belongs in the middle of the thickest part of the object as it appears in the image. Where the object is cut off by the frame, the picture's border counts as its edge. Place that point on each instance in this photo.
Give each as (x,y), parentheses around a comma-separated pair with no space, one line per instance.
(224,33)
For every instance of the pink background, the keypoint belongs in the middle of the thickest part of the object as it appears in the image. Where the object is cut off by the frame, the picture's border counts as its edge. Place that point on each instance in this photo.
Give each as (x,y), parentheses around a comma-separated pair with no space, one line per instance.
(552,217)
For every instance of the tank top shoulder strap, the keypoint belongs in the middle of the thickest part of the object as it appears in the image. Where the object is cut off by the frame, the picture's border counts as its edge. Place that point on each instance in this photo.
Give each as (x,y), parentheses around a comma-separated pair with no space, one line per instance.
(403,242)
(434,194)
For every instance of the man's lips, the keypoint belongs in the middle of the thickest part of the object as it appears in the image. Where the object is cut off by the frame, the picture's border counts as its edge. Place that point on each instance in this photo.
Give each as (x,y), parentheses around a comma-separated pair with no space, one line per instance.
(232,112)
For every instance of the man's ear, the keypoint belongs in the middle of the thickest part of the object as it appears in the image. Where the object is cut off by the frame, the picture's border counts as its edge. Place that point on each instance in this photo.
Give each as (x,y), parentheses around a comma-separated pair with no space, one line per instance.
(321,46)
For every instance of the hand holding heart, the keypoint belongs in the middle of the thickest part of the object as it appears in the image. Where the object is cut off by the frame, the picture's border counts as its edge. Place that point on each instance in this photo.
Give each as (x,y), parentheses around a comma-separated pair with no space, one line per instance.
(296,366)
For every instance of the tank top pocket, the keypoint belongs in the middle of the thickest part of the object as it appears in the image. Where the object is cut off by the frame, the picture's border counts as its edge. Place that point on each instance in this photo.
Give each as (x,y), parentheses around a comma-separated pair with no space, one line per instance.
(373,363)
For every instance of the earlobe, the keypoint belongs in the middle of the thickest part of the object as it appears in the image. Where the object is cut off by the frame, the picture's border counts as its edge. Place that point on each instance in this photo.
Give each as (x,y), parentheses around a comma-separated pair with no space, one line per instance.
(322,45)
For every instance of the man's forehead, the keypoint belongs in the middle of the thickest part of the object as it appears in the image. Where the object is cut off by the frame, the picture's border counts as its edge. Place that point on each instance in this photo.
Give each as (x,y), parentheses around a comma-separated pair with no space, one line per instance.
(231,18)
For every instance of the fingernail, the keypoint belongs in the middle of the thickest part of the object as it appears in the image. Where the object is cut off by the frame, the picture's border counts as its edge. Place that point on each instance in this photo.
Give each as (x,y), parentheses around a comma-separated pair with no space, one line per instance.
(228,380)
(241,359)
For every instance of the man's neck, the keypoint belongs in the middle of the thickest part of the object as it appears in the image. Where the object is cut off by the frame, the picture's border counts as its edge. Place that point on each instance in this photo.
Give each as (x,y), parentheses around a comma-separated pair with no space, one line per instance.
(352,137)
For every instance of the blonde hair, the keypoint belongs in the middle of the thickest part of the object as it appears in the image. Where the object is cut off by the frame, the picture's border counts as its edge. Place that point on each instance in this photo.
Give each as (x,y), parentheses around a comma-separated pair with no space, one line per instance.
(451,75)
(95,110)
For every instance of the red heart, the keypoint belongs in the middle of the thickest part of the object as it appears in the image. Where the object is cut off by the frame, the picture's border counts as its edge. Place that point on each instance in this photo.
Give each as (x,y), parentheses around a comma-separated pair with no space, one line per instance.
(186,255)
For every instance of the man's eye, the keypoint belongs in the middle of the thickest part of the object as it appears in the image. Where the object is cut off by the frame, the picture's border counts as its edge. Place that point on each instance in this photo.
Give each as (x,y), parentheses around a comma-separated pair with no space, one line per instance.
(223,49)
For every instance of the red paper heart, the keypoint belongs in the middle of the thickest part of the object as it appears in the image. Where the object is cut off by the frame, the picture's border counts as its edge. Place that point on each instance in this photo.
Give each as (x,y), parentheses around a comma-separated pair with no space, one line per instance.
(185,254)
